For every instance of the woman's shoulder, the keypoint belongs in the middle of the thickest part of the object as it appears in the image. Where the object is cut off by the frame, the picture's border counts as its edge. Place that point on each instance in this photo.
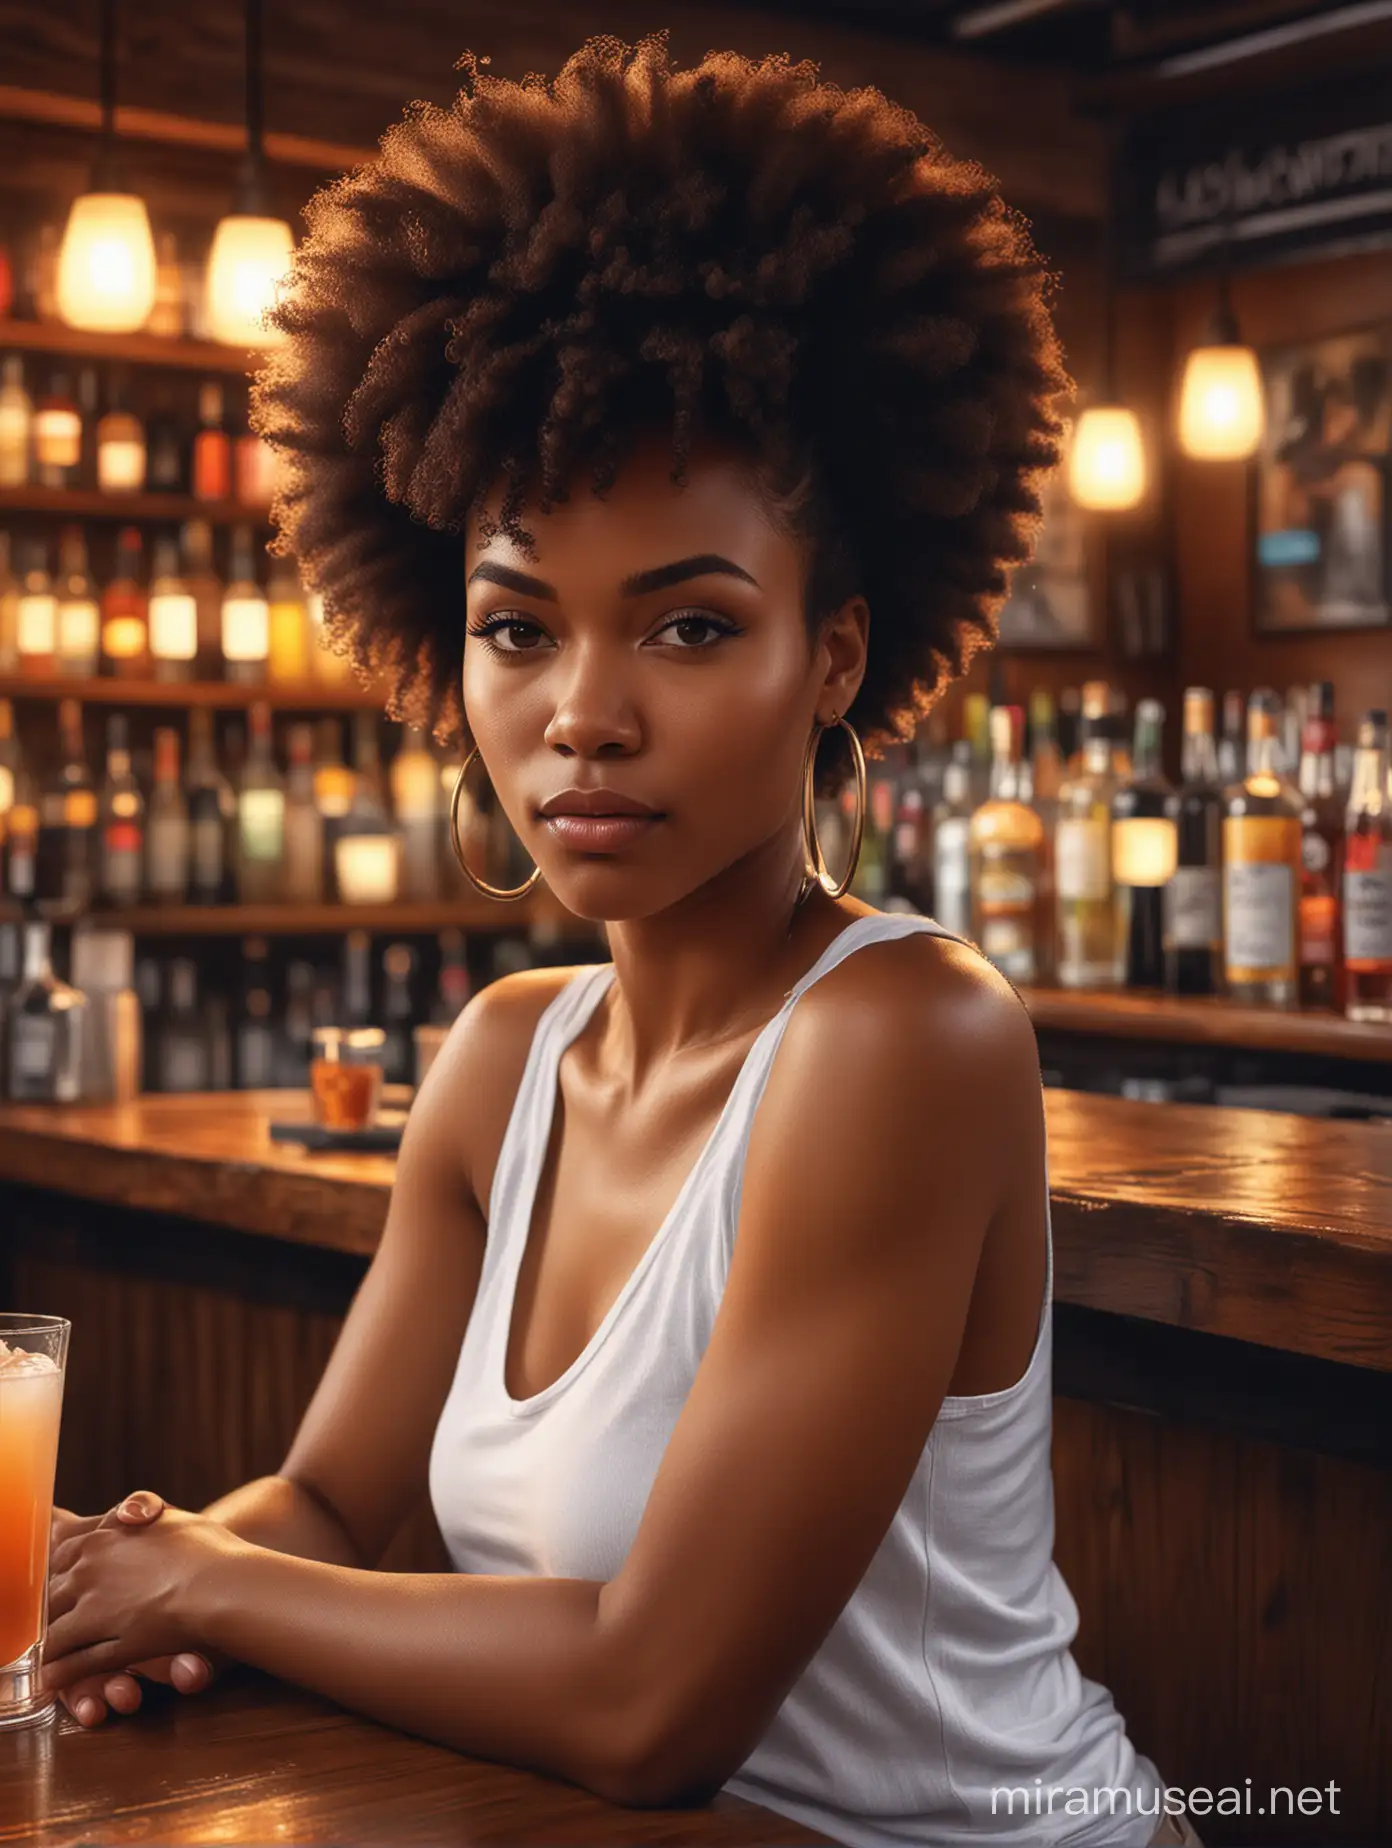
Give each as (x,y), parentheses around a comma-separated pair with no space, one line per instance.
(921,1003)
(923,978)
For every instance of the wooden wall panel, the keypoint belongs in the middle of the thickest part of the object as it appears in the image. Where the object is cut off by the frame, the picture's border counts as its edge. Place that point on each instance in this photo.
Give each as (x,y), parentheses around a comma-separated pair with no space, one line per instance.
(1230,1597)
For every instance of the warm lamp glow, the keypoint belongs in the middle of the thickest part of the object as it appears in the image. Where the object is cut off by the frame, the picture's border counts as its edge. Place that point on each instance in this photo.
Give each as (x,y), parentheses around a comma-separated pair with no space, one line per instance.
(1221,410)
(249,257)
(1106,464)
(106,267)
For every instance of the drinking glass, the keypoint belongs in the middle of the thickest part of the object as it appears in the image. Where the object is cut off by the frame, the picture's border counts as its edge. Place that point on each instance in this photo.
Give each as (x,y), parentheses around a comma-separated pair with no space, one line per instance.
(345,1075)
(33,1364)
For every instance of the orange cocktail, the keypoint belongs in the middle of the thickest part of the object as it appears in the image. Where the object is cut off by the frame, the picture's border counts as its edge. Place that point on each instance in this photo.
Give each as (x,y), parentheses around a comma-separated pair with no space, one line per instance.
(31,1405)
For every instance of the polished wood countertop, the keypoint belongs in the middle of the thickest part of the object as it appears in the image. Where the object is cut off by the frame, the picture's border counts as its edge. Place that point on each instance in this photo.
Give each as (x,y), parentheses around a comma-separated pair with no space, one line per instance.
(1251,1224)
(256,1760)
(1192,1020)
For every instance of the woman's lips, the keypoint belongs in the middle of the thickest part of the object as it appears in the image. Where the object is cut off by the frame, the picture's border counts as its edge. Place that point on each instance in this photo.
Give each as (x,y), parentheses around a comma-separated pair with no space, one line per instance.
(599,831)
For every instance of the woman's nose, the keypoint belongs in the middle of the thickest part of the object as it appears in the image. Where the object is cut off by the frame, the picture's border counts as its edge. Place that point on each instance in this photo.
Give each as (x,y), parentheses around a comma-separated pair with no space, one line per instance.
(593,713)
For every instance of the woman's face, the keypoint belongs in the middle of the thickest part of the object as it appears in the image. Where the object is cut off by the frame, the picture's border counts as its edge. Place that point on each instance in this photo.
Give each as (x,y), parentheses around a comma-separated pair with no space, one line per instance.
(654,644)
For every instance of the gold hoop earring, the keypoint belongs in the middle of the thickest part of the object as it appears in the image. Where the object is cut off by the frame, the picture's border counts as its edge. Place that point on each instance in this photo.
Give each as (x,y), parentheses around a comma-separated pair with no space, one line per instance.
(480,885)
(816,863)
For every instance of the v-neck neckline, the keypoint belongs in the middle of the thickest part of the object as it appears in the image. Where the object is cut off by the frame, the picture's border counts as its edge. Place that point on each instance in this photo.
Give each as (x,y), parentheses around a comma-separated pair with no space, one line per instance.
(560,1038)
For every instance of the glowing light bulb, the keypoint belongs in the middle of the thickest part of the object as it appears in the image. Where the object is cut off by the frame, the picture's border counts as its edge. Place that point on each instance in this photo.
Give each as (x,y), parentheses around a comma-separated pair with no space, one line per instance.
(1222,413)
(1106,464)
(106,266)
(249,257)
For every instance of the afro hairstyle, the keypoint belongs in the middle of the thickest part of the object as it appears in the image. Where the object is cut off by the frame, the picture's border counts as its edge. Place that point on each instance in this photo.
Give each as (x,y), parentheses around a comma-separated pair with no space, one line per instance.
(503,297)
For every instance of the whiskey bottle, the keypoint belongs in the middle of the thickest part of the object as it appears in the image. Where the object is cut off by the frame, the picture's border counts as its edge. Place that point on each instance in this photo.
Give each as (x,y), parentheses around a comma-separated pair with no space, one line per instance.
(121,819)
(167,825)
(77,613)
(1089,946)
(181,1046)
(67,856)
(1193,902)
(212,816)
(952,845)
(45,1020)
(1144,853)
(1007,854)
(304,828)
(125,635)
(1261,869)
(1368,877)
(1321,843)
(260,818)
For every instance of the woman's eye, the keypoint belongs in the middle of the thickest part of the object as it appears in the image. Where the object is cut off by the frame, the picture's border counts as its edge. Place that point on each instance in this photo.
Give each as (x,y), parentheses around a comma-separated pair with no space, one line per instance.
(491,626)
(686,620)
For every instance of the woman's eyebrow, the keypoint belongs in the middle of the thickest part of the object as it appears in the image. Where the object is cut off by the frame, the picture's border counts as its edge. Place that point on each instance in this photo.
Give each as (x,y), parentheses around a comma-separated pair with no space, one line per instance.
(662,577)
(528,586)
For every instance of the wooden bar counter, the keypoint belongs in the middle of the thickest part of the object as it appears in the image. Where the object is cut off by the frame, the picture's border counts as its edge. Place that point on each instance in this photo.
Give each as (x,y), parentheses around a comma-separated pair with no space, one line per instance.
(1223,1427)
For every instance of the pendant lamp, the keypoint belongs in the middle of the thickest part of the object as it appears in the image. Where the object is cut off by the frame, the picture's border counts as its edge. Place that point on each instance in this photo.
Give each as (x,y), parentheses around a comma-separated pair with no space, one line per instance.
(252,250)
(1106,459)
(1222,407)
(106,264)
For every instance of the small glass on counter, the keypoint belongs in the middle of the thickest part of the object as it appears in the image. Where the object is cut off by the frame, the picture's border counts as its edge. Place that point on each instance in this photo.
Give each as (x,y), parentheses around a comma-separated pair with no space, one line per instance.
(345,1076)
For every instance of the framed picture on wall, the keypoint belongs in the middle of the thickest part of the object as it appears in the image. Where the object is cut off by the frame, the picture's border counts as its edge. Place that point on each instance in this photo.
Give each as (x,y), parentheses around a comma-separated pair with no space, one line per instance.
(1050,603)
(1321,486)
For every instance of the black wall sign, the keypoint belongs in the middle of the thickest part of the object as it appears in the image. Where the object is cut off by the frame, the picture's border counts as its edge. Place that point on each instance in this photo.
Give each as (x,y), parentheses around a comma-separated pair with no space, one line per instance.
(1291,176)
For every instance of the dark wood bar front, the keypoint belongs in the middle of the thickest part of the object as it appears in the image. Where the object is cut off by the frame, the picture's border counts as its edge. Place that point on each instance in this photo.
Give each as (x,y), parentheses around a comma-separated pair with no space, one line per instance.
(1223,1414)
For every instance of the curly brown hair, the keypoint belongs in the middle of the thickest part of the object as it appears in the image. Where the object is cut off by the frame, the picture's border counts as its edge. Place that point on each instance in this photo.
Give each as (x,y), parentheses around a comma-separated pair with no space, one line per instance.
(514,286)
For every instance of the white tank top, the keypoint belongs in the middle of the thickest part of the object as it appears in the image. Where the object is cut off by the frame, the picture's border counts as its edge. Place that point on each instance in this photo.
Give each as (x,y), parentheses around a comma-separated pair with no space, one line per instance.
(948,1673)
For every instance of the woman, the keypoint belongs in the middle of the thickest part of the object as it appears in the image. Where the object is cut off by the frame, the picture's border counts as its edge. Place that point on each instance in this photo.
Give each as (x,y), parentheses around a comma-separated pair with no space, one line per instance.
(674,425)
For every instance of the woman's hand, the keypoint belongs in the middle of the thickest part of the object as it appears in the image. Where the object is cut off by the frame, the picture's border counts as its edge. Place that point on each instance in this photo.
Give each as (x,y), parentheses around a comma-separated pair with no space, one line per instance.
(106,1604)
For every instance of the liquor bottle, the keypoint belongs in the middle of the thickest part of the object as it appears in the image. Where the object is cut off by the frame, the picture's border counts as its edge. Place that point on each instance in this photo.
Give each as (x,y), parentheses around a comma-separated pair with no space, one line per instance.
(254,468)
(45,1028)
(173,615)
(167,825)
(295,1042)
(398,1010)
(357,979)
(41,286)
(911,855)
(1321,843)
(121,448)
(1293,716)
(870,882)
(453,989)
(1089,945)
(9,765)
(1144,853)
(16,424)
(167,462)
(1368,877)
(205,587)
(304,829)
(416,797)
(976,729)
(125,634)
(148,991)
(1007,853)
(255,1033)
(1046,759)
(952,845)
(36,615)
(77,615)
(103,967)
(217,1029)
(289,625)
(212,447)
(1193,902)
(9,607)
(1122,767)
(121,818)
(246,627)
(66,873)
(89,415)
(19,813)
(260,818)
(212,811)
(333,795)
(1261,869)
(57,436)
(366,847)
(181,1047)
(1070,713)
(11,947)
(1232,751)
